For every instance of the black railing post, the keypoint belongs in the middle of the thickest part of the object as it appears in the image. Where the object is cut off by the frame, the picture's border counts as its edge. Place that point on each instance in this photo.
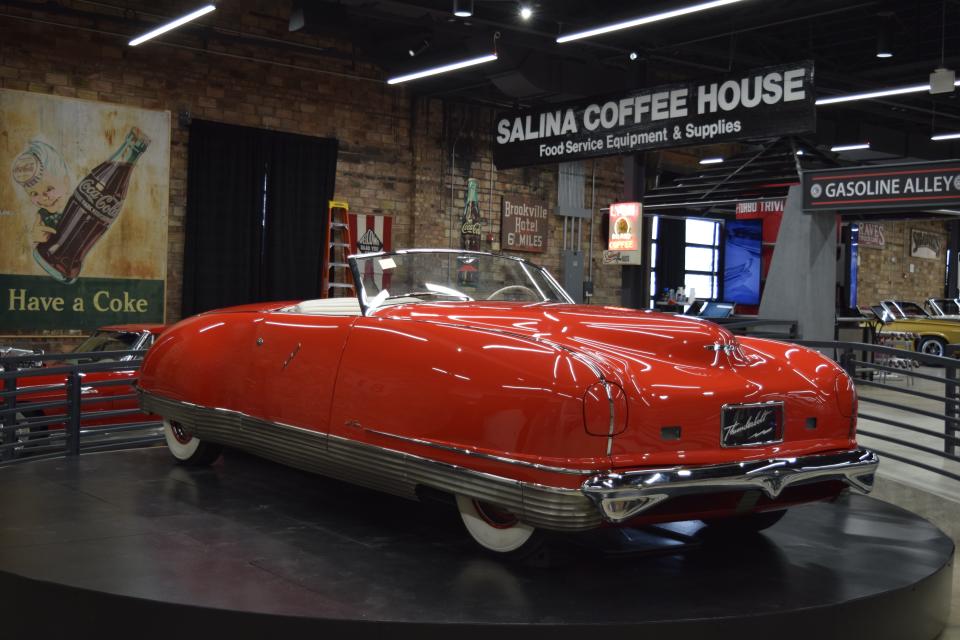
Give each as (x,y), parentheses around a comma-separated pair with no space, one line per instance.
(9,419)
(74,409)
(847,358)
(950,409)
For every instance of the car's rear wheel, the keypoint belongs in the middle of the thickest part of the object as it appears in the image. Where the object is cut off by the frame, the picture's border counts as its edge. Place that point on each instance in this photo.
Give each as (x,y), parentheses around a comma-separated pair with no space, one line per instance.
(750,523)
(187,449)
(498,530)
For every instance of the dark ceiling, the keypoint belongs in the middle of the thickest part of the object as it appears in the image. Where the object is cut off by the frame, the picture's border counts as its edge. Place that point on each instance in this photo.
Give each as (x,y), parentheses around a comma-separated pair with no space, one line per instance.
(840,36)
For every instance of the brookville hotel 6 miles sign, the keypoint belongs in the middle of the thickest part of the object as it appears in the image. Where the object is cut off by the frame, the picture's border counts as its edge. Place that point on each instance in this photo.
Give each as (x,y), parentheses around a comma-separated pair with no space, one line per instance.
(764,102)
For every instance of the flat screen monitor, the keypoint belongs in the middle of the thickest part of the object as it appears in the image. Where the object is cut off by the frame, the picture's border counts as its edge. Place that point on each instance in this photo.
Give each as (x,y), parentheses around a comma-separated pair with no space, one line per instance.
(743,242)
(717,310)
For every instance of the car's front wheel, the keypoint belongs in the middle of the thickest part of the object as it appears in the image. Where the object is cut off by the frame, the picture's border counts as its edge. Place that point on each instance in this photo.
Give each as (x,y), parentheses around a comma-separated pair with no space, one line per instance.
(498,530)
(187,449)
(750,523)
(932,346)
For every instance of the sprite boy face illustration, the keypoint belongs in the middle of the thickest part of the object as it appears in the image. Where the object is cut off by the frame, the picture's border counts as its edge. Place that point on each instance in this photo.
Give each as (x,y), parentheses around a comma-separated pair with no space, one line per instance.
(42,173)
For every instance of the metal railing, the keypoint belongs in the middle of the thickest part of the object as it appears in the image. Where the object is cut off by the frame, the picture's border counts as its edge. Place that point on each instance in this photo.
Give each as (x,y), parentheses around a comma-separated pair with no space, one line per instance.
(77,402)
(87,403)
(761,328)
(873,367)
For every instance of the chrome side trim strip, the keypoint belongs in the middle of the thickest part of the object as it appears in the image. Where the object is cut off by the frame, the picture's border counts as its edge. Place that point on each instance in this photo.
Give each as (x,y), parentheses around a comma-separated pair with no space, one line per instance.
(621,496)
(377,467)
(487,456)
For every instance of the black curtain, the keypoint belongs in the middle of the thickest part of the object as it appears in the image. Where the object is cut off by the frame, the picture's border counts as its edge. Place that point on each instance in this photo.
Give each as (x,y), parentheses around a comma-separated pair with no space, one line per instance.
(300,180)
(256,215)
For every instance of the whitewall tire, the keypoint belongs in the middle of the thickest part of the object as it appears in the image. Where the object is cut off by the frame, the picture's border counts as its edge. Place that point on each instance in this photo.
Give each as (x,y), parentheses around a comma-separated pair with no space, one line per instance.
(187,449)
(492,528)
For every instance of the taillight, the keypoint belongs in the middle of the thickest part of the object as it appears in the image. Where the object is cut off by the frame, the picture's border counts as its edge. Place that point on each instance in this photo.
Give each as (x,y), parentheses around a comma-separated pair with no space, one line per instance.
(604,409)
(845,394)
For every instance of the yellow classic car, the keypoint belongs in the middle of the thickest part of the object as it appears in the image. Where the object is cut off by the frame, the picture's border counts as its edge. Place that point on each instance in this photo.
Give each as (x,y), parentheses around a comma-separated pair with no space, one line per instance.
(933,334)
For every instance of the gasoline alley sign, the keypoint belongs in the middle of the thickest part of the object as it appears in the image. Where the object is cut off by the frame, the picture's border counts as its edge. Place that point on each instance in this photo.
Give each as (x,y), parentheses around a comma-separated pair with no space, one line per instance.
(772,101)
(921,185)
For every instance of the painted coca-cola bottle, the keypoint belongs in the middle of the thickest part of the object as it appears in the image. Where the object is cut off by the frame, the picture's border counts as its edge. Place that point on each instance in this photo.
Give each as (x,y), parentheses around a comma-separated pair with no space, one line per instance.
(471,224)
(91,209)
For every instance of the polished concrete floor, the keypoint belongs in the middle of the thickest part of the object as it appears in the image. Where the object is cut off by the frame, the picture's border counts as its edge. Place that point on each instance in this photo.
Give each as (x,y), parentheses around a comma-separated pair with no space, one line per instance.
(929,494)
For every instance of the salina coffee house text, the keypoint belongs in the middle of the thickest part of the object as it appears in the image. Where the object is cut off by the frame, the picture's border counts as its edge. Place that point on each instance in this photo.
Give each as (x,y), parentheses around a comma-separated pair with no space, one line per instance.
(774,99)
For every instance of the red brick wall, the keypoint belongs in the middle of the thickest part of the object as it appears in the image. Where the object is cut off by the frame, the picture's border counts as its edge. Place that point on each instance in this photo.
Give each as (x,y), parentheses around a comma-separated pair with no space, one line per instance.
(394,150)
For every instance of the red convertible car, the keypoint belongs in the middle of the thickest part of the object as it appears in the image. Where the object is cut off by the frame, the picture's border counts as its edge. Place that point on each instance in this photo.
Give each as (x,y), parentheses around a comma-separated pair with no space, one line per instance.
(41,396)
(475,375)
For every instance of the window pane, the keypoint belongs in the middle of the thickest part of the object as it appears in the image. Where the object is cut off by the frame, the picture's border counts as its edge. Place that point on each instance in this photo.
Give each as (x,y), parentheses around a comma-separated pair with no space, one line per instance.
(701,231)
(656,226)
(704,286)
(699,259)
(653,285)
(653,255)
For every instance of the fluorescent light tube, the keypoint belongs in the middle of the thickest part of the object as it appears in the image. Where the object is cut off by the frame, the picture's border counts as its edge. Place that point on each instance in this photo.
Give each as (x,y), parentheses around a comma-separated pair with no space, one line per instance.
(916,88)
(442,69)
(945,136)
(850,147)
(711,160)
(636,22)
(172,25)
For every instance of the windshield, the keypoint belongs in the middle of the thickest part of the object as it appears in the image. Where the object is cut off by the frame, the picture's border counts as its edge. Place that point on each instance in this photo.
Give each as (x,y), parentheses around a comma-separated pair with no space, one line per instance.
(947,306)
(450,276)
(108,341)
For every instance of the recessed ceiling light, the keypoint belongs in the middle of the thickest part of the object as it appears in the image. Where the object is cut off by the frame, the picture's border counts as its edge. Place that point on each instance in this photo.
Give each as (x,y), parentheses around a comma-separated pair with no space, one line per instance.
(850,147)
(526,12)
(170,26)
(636,22)
(633,55)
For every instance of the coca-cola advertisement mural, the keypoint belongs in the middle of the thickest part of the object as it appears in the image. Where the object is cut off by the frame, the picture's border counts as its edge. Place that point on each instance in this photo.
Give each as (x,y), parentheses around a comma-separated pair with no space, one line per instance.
(84,190)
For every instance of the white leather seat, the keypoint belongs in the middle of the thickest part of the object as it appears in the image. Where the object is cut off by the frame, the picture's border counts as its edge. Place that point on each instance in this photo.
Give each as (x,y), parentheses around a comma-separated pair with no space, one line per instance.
(327,307)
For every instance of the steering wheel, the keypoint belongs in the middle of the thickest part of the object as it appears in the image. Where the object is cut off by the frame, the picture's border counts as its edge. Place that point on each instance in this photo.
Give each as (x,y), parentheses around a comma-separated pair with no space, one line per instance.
(514,287)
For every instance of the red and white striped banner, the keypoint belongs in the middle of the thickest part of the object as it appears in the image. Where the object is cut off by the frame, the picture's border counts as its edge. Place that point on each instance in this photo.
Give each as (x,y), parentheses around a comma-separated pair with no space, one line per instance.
(369,234)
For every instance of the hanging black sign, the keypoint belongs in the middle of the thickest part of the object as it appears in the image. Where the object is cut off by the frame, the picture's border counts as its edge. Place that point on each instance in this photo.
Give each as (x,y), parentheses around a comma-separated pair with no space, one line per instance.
(921,185)
(764,102)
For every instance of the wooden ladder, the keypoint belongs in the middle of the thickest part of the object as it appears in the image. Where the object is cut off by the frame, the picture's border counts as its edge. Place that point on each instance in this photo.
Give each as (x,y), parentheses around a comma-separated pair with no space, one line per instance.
(337,277)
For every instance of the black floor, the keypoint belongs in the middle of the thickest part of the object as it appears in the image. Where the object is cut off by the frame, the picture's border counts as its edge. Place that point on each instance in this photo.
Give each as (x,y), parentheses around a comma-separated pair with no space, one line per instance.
(250,537)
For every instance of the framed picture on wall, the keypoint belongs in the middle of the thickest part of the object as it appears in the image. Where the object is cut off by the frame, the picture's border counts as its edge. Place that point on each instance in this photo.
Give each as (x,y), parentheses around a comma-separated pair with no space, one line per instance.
(926,244)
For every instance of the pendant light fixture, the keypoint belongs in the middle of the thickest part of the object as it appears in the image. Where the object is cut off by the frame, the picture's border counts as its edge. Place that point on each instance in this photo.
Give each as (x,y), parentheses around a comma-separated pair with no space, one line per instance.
(463,8)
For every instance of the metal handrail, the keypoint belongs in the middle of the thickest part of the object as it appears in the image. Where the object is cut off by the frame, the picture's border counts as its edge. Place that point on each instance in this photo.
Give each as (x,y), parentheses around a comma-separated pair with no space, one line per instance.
(50,420)
(858,359)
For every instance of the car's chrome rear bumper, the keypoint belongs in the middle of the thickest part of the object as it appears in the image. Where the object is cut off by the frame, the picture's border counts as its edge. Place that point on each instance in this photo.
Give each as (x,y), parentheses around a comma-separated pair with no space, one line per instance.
(622,496)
